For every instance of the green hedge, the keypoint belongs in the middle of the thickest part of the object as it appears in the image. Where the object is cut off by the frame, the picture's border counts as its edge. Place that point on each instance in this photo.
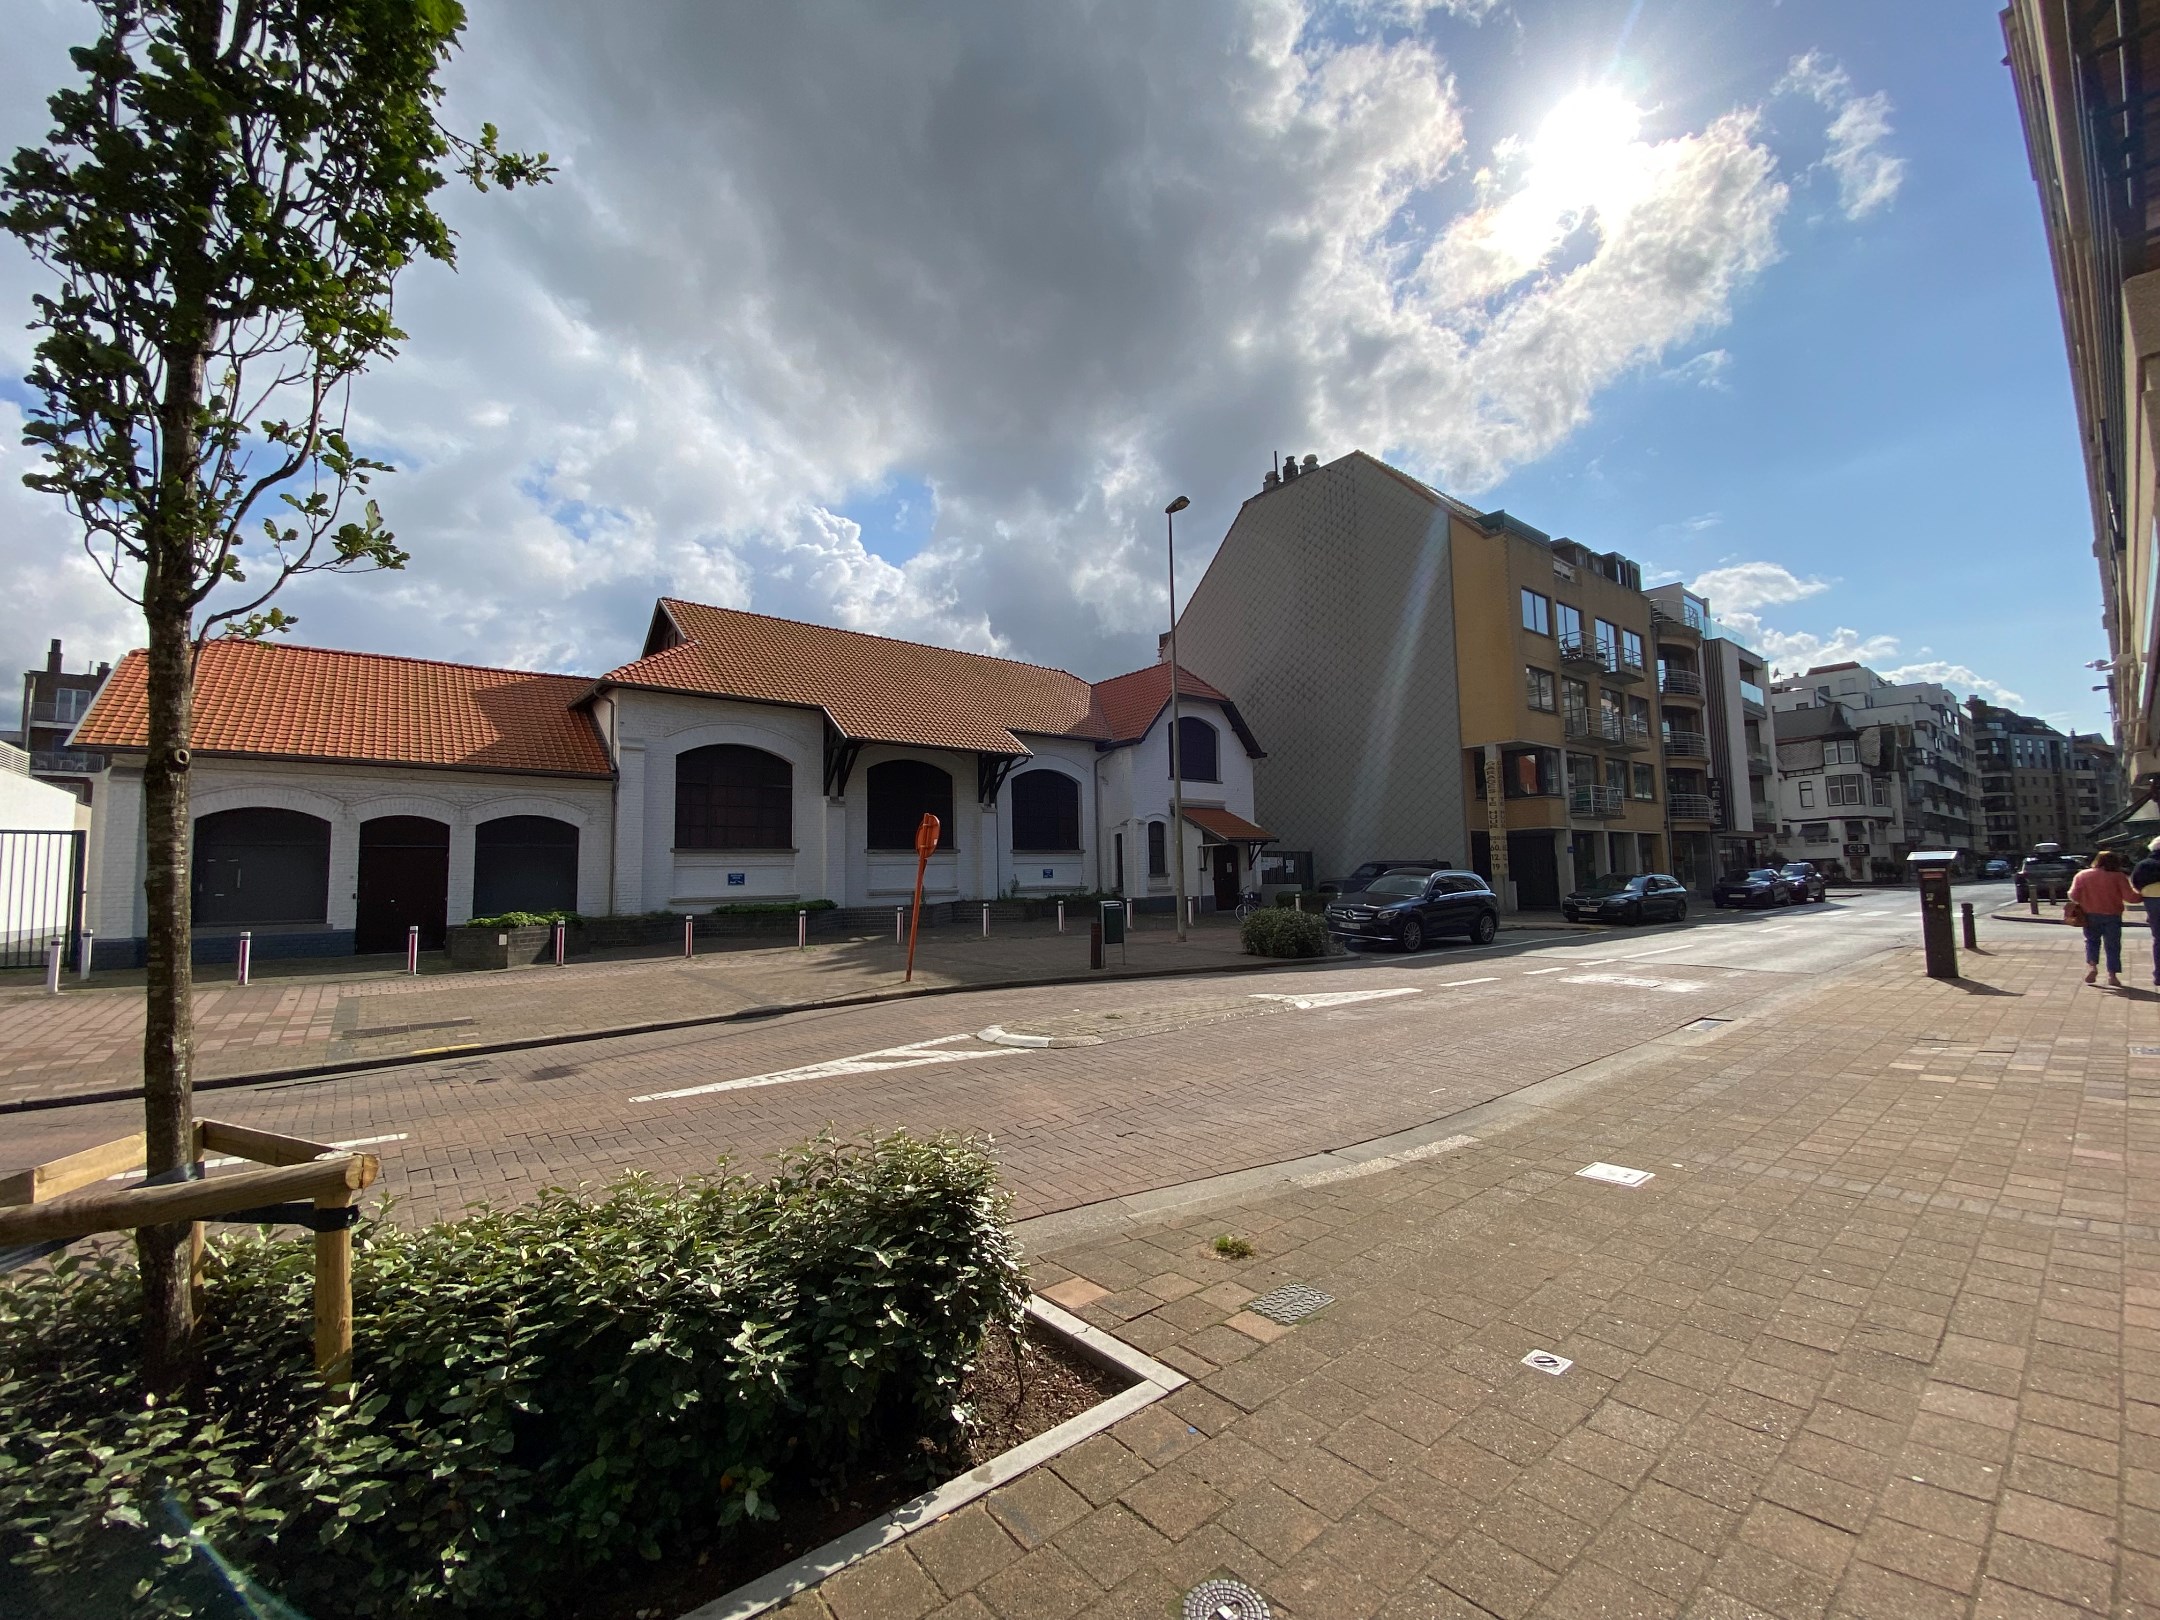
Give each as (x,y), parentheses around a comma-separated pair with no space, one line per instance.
(541,1392)
(522,919)
(770,908)
(1273,931)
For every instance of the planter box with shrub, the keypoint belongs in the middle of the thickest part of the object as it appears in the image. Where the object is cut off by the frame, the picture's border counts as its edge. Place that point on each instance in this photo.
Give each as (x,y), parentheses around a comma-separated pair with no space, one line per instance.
(511,941)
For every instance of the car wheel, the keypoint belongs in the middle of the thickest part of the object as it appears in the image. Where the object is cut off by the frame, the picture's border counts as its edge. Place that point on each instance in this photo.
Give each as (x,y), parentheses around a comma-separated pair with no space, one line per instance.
(1680,912)
(1411,936)
(1483,930)
(1634,915)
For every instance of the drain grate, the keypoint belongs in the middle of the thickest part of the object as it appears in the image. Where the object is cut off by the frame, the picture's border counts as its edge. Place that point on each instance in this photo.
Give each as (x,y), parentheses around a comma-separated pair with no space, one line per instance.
(1225,1600)
(1290,1304)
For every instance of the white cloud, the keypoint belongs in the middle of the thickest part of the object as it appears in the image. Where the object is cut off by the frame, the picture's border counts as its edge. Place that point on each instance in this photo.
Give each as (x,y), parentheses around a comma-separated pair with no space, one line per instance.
(1705,370)
(1868,177)
(1736,588)
(1961,676)
(1057,266)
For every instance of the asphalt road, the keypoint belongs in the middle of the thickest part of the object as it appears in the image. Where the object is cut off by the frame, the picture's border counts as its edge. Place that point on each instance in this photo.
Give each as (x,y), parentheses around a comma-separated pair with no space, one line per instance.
(1142,1084)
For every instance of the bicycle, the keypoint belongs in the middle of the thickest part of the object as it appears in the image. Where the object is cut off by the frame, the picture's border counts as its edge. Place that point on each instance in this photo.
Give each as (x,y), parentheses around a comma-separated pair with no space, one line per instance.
(1248,903)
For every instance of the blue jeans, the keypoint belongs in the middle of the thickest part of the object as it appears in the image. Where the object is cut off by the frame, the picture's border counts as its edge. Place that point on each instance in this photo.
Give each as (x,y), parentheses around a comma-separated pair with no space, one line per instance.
(2105,930)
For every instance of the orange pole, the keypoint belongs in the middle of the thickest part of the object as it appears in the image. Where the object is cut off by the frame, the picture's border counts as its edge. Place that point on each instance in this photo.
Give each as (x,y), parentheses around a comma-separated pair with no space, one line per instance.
(926,837)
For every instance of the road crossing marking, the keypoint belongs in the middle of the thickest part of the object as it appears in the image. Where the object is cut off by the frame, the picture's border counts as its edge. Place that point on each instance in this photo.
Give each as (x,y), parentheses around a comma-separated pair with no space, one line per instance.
(1633,982)
(1666,951)
(912,1056)
(1531,973)
(1336,998)
(1450,984)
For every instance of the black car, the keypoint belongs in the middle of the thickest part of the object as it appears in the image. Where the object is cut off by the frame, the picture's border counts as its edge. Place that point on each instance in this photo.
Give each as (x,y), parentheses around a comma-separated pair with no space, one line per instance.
(1408,907)
(1813,885)
(1648,897)
(1765,886)
(1355,883)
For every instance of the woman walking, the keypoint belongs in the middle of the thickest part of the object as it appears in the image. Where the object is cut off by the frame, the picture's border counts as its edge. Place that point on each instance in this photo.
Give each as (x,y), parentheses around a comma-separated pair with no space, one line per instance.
(2102,890)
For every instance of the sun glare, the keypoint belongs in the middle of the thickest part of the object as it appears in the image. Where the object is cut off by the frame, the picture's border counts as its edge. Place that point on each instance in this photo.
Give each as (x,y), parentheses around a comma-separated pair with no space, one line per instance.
(1586,157)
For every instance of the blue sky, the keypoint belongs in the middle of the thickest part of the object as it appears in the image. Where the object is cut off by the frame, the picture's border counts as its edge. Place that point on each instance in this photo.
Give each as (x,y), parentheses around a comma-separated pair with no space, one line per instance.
(913,322)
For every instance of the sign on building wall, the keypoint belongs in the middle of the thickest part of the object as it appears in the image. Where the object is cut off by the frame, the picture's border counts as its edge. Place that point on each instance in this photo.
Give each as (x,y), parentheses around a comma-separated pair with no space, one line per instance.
(1495,814)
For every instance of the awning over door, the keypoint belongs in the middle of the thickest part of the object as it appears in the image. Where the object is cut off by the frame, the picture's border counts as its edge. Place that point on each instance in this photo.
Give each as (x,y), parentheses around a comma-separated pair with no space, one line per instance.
(1226,827)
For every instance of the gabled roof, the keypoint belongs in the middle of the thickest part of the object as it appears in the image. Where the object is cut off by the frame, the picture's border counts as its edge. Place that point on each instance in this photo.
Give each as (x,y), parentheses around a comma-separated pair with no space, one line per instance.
(872,688)
(1131,704)
(286,702)
(1817,720)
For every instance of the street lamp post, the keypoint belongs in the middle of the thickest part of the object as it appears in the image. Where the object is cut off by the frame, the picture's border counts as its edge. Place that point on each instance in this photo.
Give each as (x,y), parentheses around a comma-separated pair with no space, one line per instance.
(1177,769)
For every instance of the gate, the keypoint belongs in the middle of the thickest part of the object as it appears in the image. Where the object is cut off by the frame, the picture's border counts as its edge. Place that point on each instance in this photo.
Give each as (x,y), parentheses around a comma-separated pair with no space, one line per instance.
(41,895)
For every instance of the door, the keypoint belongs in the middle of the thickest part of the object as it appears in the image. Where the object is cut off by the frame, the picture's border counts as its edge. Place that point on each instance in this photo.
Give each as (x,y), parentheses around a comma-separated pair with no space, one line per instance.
(1535,868)
(1225,859)
(404,881)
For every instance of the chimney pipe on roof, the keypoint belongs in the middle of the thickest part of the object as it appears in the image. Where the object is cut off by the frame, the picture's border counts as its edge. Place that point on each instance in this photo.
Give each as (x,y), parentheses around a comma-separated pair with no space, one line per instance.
(52,657)
(1289,468)
(1272,479)
(1312,463)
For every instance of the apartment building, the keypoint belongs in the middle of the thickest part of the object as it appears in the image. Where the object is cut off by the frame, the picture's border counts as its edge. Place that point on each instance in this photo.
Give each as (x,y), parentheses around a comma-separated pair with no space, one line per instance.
(2039,785)
(2089,131)
(1927,740)
(1435,682)
(1838,785)
(1712,686)
(52,702)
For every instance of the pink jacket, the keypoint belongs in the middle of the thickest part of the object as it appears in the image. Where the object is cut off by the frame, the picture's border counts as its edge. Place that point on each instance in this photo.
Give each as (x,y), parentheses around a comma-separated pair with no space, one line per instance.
(2103,894)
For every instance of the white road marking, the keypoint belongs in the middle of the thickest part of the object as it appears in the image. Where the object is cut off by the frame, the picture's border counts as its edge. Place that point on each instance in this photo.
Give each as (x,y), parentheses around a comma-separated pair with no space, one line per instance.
(1631,982)
(1531,973)
(1333,998)
(1450,984)
(912,1056)
(1667,951)
(219,1164)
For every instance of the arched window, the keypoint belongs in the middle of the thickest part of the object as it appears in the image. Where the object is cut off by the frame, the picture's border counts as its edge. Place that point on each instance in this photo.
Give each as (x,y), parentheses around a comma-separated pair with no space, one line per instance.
(902,792)
(1045,811)
(261,866)
(1197,760)
(524,863)
(731,797)
(1158,849)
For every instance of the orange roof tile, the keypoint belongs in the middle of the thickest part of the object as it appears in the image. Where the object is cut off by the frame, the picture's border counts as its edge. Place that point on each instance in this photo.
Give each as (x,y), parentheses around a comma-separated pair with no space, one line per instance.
(1227,825)
(1130,704)
(873,688)
(285,702)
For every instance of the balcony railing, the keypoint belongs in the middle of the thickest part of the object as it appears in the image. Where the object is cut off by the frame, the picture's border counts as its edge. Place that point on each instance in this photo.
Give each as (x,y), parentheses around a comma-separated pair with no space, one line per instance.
(65,762)
(1680,683)
(1581,653)
(1687,745)
(1618,668)
(1689,806)
(1596,801)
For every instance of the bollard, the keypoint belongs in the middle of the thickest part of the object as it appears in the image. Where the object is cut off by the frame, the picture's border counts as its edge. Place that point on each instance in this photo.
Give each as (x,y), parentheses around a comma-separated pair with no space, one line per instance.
(412,948)
(1192,910)
(1297,902)
(1972,935)
(986,919)
(246,958)
(1061,916)
(1128,916)
(561,929)
(1094,944)
(52,968)
(83,953)
(802,930)
(2032,898)
(896,910)
(688,925)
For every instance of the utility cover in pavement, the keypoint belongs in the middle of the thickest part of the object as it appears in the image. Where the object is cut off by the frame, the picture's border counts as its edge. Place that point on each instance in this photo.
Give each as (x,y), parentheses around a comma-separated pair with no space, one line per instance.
(1289,1304)
(1618,1174)
(1225,1600)
(1546,1362)
(2145,1051)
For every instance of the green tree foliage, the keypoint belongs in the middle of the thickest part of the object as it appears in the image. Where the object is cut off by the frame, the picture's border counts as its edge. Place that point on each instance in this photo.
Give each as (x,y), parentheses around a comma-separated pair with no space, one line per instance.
(224,202)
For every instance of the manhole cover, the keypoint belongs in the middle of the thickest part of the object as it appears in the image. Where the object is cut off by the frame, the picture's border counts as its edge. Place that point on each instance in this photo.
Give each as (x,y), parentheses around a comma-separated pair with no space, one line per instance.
(2145,1051)
(1707,1023)
(1290,1303)
(1225,1600)
(1618,1174)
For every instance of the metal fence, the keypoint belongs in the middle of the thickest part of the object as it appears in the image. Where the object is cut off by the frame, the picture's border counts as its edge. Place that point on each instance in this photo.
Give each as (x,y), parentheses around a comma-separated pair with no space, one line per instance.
(41,895)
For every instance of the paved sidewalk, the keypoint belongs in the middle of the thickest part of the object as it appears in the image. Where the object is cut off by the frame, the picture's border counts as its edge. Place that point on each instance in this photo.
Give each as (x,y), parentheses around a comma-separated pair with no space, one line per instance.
(88,1041)
(1878,1340)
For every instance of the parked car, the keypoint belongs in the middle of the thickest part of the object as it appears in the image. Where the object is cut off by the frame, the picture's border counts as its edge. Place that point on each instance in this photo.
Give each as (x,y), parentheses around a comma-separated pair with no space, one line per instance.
(1996,869)
(2047,873)
(1763,887)
(1813,885)
(1356,881)
(1646,897)
(1407,907)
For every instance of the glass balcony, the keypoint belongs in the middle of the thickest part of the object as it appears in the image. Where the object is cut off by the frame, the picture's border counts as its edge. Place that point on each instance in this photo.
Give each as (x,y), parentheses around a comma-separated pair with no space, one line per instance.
(1591,800)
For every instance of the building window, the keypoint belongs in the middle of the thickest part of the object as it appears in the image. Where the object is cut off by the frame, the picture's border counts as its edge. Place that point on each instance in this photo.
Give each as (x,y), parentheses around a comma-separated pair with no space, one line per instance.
(730,797)
(1568,620)
(1528,773)
(1645,782)
(1856,832)
(1045,811)
(1631,649)
(1158,850)
(1846,752)
(1536,612)
(1538,689)
(1882,790)
(902,792)
(1638,718)
(1197,759)
(1608,641)
(1814,832)
(1844,790)
(1807,795)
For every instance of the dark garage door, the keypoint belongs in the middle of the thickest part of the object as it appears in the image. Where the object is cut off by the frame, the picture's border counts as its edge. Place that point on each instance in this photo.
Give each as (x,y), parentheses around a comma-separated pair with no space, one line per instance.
(524,863)
(404,880)
(261,866)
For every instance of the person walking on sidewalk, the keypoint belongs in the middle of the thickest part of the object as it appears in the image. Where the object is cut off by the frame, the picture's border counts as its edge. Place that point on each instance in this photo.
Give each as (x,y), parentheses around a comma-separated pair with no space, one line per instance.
(2145,878)
(2102,890)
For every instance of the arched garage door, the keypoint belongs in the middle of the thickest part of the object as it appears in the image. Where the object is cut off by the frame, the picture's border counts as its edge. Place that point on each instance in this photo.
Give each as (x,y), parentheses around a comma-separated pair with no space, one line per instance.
(524,863)
(260,866)
(404,880)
